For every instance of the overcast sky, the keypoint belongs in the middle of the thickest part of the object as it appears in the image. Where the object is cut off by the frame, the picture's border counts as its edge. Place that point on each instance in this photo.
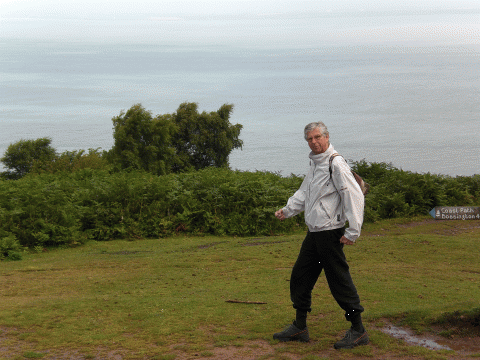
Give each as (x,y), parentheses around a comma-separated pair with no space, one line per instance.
(123,8)
(92,19)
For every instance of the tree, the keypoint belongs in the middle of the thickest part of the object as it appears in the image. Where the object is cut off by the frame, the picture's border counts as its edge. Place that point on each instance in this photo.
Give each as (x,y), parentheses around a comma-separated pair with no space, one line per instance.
(20,156)
(205,139)
(175,142)
(142,142)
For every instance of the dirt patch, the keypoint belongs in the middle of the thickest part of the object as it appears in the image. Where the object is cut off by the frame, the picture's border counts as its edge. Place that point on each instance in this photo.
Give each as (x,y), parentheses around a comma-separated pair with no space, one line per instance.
(451,229)
(206,246)
(250,351)
(419,223)
(259,243)
(125,252)
(257,349)
(446,227)
(432,226)
(13,348)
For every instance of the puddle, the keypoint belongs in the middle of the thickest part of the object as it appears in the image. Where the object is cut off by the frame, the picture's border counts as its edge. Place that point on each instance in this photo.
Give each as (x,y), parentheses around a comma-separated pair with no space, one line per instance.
(413,339)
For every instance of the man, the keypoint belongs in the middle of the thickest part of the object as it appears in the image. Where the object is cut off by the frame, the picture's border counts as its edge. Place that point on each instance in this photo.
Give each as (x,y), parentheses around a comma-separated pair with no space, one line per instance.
(328,201)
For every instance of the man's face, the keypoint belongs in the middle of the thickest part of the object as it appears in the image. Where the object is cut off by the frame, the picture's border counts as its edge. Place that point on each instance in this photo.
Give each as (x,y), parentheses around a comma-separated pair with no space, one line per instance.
(317,142)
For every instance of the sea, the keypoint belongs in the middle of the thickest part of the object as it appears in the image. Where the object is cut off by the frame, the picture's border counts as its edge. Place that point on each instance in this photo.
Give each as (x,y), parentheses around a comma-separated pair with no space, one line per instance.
(394,86)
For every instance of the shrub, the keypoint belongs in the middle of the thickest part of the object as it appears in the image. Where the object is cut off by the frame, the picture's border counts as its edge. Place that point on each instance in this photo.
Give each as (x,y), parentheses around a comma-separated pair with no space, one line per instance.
(14,256)
(70,161)
(8,245)
(38,211)
(66,208)
(398,193)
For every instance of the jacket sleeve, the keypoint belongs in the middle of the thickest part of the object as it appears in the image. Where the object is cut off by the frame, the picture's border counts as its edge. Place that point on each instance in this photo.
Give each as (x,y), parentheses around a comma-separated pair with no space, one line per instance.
(296,203)
(351,195)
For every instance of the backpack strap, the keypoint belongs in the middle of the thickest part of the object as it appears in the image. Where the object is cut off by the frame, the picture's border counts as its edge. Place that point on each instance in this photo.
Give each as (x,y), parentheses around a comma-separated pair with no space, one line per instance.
(364,187)
(330,163)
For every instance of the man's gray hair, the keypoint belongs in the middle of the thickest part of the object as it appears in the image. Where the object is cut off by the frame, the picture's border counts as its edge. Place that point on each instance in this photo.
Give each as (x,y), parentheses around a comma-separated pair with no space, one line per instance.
(316,125)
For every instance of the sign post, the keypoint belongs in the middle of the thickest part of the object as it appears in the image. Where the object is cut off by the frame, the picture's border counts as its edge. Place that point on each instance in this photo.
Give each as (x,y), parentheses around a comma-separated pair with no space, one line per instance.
(456,213)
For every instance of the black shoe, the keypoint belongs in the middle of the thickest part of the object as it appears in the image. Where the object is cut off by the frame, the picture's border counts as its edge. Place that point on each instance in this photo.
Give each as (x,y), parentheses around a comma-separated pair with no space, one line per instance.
(292,333)
(351,339)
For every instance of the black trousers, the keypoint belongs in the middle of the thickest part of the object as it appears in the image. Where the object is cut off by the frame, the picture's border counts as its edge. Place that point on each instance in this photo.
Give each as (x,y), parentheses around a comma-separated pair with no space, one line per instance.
(323,251)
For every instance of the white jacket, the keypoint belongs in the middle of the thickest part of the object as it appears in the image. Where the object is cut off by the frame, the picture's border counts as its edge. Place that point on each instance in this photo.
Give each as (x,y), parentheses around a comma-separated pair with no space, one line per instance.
(329,205)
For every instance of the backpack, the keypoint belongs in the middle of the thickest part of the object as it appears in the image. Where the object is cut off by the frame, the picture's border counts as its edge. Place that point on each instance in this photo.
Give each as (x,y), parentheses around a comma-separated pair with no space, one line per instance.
(363,185)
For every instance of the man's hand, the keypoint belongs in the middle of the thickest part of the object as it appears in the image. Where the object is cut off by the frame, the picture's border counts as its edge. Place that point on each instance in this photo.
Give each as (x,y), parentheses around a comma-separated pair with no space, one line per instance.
(345,241)
(279,214)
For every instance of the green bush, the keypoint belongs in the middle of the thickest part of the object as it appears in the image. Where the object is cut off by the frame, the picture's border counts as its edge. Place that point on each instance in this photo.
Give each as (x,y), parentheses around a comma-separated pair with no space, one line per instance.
(70,161)
(67,208)
(8,245)
(38,210)
(14,256)
(398,193)
(210,201)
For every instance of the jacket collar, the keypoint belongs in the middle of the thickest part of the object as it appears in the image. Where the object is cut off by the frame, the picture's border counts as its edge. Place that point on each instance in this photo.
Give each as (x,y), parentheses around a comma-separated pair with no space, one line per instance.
(325,156)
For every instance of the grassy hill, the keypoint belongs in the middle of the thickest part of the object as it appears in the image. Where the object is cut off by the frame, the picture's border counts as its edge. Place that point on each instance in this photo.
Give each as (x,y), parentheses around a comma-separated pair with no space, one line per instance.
(222,297)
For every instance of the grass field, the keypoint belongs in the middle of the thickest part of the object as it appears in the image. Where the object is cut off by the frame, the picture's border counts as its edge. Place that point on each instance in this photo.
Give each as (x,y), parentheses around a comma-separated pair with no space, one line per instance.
(223,297)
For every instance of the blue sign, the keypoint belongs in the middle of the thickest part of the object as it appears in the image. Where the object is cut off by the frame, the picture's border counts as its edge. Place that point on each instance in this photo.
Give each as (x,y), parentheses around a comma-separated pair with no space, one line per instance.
(455,213)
